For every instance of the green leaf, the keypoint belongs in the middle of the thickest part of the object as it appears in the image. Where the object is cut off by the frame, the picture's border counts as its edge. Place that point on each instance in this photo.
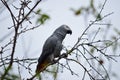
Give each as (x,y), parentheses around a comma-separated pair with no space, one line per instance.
(98,17)
(38,11)
(92,50)
(117,31)
(43,18)
(39,76)
(14,77)
(78,12)
(92,3)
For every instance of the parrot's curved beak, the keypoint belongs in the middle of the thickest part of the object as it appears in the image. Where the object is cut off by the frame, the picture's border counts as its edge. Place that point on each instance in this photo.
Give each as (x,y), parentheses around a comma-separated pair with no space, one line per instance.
(69,32)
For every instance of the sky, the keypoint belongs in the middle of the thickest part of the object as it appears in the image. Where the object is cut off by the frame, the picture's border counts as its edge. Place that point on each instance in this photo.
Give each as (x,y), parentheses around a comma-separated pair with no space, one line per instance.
(60,13)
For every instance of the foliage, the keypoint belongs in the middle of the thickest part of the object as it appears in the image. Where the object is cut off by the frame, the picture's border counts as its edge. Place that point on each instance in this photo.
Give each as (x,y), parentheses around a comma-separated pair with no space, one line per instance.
(90,9)
(42,18)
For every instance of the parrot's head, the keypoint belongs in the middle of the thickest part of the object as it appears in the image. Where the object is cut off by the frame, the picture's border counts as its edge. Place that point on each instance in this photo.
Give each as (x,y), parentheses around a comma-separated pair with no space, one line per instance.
(62,31)
(66,29)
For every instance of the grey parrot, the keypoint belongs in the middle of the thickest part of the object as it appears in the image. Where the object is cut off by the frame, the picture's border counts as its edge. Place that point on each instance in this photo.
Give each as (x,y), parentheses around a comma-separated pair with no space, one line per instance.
(52,47)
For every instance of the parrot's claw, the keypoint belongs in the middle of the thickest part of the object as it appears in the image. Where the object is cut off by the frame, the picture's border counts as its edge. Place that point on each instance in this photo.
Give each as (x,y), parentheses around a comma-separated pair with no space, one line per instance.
(64,55)
(54,61)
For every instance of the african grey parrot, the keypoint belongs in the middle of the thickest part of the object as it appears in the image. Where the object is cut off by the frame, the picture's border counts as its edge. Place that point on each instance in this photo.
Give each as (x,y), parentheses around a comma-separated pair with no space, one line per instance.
(52,47)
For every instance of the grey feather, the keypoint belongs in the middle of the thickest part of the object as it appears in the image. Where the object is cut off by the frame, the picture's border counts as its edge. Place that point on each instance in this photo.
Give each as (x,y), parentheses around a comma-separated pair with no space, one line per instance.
(53,44)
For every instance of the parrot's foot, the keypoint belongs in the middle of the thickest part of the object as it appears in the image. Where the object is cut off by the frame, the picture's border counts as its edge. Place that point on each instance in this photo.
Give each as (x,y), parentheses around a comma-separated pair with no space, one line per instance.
(54,61)
(64,55)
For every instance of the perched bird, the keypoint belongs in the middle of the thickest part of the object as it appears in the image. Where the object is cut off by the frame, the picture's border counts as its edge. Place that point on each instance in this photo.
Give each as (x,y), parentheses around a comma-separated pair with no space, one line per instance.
(52,47)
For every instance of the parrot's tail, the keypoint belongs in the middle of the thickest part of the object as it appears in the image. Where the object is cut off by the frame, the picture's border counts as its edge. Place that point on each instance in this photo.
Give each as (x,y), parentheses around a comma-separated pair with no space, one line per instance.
(42,66)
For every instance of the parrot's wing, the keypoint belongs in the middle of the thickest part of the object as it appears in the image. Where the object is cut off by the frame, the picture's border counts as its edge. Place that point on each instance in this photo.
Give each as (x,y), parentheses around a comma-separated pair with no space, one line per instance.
(57,49)
(47,54)
(48,48)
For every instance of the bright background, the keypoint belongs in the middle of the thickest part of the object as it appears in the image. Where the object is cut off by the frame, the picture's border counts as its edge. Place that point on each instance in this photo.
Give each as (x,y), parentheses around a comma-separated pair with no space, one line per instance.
(60,13)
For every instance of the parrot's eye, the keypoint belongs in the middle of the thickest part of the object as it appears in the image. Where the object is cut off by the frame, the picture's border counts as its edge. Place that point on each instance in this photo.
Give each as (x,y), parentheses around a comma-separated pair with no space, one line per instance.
(66,27)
